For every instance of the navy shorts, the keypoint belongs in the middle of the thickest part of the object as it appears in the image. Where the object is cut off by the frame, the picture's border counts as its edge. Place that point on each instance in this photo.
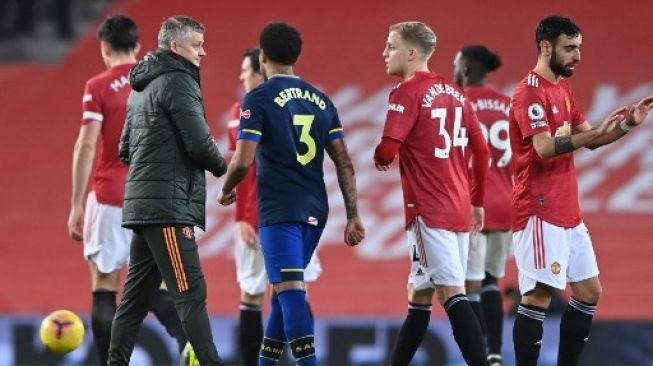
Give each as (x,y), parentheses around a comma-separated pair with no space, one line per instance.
(287,249)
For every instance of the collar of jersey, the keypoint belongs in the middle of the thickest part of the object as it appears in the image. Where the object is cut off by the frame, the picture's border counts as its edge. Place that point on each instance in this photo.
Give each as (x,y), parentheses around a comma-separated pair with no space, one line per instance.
(283,76)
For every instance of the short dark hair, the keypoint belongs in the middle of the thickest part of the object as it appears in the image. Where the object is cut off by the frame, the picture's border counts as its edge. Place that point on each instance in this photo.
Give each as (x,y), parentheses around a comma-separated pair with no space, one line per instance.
(487,59)
(281,42)
(252,54)
(551,27)
(120,32)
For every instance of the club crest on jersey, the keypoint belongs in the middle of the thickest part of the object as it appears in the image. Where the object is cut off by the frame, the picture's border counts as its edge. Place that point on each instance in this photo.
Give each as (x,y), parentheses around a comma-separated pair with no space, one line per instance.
(396,107)
(187,232)
(246,114)
(555,268)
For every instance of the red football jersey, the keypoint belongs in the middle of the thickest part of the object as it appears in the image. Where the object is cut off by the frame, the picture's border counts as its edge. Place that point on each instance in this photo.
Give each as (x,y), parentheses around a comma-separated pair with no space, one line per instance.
(545,188)
(435,123)
(492,111)
(246,203)
(105,102)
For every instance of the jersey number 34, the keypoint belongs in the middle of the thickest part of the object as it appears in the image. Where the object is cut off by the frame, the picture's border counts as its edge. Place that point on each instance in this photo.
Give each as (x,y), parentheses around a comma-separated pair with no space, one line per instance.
(459,133)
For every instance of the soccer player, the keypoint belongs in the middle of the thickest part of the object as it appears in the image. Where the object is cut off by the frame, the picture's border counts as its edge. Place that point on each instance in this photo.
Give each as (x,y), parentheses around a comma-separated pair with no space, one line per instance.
(250,269)
(489,249)
(106,243)
(288,124)
(432,126)
(167,144)
(552,244)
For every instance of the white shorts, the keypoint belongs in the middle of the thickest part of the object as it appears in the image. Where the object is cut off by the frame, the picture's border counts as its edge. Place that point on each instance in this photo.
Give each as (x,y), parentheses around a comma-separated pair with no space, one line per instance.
(250,268)
(439,257)
(106,242)
(488,252)
(553,255)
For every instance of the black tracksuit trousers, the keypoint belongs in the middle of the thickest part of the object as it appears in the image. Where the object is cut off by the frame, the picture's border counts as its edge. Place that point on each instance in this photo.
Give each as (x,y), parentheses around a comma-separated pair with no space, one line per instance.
(168,253)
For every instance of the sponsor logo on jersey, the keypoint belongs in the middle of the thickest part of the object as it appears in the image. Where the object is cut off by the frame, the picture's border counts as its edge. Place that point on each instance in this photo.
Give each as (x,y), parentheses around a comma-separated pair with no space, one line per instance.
(245,113)
(396,107)
(312,221)
(538,124)
(187,232)
(555,268)
(564,130)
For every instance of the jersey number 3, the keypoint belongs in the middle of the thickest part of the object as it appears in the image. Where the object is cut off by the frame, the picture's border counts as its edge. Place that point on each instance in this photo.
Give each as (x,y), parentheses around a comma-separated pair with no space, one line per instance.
(459,134)
(306,121)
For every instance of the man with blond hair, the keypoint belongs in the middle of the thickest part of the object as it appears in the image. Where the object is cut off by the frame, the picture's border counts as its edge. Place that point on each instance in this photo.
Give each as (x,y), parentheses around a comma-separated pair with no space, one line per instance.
(430,123)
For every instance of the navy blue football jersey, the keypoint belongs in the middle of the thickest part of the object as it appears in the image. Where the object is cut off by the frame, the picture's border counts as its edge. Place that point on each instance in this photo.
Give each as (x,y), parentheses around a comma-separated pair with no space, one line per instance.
(292,121)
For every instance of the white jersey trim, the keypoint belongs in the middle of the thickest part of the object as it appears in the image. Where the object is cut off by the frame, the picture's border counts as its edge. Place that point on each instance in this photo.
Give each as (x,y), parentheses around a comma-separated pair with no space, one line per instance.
(533,80)
(87,98)
(95,116)
(233,123)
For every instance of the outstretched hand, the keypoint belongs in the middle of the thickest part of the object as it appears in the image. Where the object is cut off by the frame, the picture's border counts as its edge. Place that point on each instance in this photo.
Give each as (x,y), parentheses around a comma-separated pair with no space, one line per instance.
(354,231)
(612,120)
(638,112)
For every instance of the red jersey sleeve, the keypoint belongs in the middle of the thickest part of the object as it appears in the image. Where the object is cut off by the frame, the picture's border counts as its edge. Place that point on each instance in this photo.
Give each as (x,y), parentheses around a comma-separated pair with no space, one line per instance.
(91,104)
(232,125)
(402,113)
(386,151)
(528,110)
(480,156)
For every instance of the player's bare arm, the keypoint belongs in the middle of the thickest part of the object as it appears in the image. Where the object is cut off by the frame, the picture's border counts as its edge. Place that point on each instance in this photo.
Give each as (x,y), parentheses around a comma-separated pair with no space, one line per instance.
(548,146)
(240,163)
(337,150)
(83,155)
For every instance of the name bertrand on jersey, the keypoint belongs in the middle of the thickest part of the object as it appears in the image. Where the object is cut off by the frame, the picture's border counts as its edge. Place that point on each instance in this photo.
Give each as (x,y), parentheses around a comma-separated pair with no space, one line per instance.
(440,88)
(491,105)
(297,93)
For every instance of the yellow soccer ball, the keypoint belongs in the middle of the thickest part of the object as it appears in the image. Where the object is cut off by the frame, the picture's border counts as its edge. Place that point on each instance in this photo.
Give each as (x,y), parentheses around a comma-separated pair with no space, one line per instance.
(188,357)
(62,331)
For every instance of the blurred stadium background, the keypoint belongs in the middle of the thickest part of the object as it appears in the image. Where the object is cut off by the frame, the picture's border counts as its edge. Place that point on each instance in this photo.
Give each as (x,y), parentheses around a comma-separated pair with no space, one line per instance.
(48,49)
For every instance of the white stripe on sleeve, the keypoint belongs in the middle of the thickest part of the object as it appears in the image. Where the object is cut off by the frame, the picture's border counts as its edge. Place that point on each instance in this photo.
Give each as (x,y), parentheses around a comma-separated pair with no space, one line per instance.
(93,116)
